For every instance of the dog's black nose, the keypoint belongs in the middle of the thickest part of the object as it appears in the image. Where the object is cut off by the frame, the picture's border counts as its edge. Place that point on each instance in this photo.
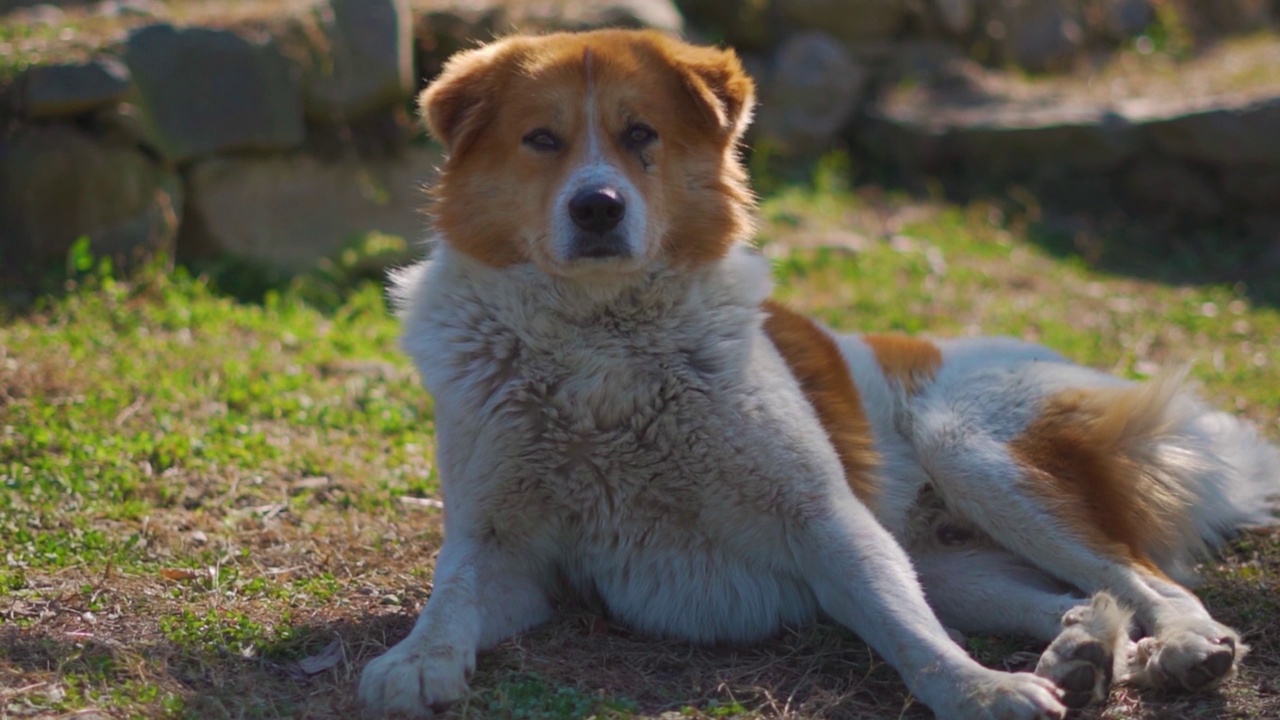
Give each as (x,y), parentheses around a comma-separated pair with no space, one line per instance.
(598,209)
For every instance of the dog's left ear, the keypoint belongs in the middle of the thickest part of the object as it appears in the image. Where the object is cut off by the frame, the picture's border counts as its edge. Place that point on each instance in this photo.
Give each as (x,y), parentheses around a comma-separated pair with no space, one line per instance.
(721,88)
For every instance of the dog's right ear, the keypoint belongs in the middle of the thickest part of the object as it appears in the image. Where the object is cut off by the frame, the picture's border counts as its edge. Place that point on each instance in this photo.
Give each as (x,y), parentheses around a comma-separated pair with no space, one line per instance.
(459,103)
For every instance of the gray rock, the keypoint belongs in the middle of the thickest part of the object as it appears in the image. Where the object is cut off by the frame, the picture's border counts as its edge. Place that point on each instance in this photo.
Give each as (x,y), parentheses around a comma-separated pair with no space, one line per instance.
(1164,185)
(291,211)
(447,26)
(1216,131)
(1123,19)
(444,29)
(361,58)
(57,184)
(983,142)
(587,14)
(71,89)
(202,91)
(849,21)
(1046,142)
(957,16)
(812,94)
(1255,188)
(744,24)
(1233,15)
(1038,35)
(1264,231)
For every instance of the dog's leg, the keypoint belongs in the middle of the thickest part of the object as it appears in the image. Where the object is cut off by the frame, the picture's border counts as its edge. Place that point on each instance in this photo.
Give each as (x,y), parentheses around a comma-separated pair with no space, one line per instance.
(863,579)
(1186,648)
(989,590)
(480,597)
(978,479)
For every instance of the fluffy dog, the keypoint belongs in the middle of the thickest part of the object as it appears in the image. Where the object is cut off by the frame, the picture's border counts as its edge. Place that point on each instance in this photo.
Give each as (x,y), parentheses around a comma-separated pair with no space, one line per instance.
(622,413)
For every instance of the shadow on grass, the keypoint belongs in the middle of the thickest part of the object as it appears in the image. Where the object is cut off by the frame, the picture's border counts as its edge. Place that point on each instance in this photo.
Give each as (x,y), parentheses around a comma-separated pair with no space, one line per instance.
(27,287)
(575,668)
(1167,251)
(1082,220)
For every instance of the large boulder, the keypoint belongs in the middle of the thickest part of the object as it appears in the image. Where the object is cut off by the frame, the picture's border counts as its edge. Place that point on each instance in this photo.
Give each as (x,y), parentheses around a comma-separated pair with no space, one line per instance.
(201,91)
(58,184)
(361,58)
(1167,186)
(67,89)
(1232,15)
(1028,144)
(850,21)
(1254,188)
(1233,131)
(289,211)
(1038,35)
(812,94)
(744,24)
(588,14)
(1123,19)
(447,26)
(957,16)
(1001,143)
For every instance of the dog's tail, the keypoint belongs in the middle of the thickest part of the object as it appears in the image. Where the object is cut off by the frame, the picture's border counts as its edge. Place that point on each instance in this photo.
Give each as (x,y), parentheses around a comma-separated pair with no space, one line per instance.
(1227,476)
(1242,487)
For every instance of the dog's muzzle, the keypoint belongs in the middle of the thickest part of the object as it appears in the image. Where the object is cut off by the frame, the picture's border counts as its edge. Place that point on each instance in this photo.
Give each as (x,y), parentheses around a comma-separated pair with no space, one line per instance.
(597,213)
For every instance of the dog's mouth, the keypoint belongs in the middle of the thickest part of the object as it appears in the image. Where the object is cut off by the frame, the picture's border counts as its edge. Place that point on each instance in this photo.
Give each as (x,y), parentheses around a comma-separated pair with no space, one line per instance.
(600,246)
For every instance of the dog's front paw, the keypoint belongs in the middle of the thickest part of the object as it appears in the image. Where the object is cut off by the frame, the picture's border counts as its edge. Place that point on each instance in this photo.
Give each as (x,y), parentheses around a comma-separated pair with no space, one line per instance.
(415,682)
(1190,656)
(1006,696)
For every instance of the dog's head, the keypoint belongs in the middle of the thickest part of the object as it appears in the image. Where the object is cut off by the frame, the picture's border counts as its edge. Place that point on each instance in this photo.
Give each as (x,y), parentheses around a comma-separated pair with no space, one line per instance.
(600,152)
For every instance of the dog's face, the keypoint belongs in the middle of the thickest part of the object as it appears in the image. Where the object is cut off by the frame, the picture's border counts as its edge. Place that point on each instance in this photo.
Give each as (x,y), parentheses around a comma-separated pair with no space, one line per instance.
(591,153)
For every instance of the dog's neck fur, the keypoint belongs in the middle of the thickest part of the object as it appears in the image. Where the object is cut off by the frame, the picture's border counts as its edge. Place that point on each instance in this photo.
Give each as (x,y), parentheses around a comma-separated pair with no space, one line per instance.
(663,298)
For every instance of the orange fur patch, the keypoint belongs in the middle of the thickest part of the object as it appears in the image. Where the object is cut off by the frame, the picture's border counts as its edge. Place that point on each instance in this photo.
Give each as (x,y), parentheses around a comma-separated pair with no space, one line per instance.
(1085,456)
(909,361)
(824,376)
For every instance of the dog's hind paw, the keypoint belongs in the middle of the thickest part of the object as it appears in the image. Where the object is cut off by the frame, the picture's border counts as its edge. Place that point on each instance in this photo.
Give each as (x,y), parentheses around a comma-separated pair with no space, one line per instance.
(1081,660)
(1190,656)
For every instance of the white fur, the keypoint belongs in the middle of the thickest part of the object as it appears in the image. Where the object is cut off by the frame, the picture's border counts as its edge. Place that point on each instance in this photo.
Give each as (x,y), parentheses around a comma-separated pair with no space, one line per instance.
(647,441)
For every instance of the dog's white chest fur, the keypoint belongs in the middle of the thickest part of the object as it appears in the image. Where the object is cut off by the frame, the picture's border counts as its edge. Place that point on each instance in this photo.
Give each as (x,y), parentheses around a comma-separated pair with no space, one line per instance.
(625,442)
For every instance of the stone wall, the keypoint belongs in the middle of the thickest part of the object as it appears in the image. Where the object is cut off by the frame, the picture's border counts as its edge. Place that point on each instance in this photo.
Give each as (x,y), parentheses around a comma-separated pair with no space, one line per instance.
(282,141)
(278,141)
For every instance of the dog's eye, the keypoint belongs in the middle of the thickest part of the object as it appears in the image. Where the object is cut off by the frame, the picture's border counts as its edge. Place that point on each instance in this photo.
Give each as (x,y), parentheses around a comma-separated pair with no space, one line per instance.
(542,140)
(638,135)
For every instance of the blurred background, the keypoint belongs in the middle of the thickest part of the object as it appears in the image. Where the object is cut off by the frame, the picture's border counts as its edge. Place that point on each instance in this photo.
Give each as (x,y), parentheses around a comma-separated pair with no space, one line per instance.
(276,132)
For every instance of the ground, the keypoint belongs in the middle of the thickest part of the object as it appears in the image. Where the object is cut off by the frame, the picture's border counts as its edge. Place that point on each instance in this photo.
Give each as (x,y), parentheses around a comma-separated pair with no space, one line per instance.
(219,502)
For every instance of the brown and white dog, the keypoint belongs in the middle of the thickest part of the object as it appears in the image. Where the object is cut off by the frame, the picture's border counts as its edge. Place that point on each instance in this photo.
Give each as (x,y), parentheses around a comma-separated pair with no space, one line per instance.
(621,412)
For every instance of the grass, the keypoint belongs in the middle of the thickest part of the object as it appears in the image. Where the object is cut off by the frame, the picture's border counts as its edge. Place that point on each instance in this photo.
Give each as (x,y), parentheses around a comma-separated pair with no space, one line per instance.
(220,508)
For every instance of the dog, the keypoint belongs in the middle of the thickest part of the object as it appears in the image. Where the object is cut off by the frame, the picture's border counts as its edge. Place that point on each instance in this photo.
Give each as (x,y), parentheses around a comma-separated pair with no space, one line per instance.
(623,414)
